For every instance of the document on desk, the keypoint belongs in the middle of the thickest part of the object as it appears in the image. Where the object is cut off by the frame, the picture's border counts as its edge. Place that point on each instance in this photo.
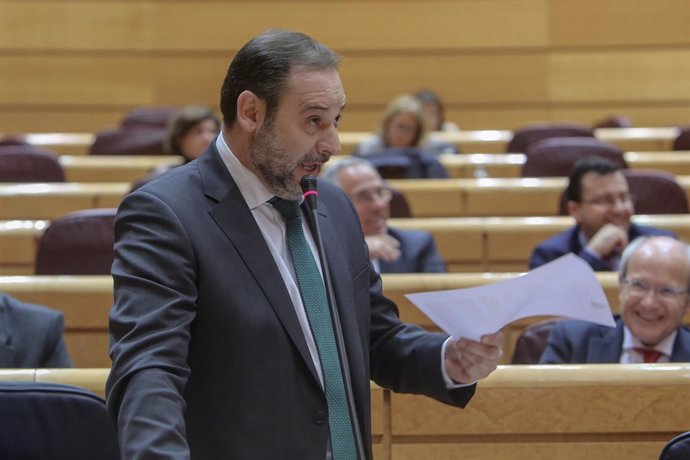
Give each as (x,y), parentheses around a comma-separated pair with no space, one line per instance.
(566,287)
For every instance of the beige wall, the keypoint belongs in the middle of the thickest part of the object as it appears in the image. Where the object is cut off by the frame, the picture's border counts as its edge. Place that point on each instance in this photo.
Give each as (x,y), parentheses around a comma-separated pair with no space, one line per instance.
(79,65)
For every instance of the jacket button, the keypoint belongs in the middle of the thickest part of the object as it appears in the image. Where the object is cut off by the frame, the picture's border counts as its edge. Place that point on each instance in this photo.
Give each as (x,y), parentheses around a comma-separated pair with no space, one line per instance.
(319,417)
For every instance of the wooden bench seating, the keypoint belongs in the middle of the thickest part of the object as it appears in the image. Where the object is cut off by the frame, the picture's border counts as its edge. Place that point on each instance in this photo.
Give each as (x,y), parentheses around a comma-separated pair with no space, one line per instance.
(467,243)
(113,168)
(48,201)
(488,197)
(510,164)
(496,141)
(120,168)
(566,412)
(427,197)
(86,301)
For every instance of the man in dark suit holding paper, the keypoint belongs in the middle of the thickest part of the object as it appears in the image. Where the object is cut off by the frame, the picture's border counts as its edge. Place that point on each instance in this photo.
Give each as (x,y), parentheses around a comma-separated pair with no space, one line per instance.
(215,353)
(654,281)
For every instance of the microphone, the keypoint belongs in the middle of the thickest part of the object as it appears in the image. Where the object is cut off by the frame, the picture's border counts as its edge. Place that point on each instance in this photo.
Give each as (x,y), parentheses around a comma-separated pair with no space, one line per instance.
(308,184)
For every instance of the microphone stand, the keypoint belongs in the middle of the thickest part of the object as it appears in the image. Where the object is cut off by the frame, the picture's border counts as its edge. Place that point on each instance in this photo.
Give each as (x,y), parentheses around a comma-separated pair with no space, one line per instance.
(308,184)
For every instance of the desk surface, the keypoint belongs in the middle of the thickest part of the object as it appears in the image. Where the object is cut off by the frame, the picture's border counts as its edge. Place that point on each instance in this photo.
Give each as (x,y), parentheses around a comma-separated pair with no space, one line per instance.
(657,138)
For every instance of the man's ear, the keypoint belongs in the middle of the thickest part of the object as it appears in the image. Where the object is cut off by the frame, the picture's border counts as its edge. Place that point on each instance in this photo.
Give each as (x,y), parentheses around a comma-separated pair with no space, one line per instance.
(251,111)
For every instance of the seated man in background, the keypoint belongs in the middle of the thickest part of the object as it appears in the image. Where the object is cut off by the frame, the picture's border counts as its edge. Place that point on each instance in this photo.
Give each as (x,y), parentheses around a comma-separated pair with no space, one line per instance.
(654,280)
(31,336)
(392,250)
(600,201)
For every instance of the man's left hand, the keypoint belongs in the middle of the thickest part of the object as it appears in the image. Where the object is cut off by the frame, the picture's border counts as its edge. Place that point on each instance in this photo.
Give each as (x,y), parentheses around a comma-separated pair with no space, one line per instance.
(467,361)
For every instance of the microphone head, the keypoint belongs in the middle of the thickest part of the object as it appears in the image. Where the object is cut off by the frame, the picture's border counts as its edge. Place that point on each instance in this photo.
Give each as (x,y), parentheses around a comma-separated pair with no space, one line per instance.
(308,184)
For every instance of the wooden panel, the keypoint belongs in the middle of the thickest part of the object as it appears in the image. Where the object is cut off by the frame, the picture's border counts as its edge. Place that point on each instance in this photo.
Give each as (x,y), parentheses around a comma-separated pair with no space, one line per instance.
(145,25)
(512,197)
(117,168)
(75,25)
(88,349)
(60,119)
(457,243)
(659,75)
(610,409)
(498,448)
(432,197)
(49,201)
(493,78)
(619,22)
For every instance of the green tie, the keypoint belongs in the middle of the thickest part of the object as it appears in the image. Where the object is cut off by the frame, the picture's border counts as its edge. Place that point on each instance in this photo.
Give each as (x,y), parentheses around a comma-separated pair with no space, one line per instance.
(313,292)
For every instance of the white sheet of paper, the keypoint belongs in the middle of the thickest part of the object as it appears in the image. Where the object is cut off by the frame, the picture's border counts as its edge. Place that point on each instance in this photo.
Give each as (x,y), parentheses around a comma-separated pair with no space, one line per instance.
(566,287)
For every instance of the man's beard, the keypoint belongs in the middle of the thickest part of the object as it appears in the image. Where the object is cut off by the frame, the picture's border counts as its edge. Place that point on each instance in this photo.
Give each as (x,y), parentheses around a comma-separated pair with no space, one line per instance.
(271,159)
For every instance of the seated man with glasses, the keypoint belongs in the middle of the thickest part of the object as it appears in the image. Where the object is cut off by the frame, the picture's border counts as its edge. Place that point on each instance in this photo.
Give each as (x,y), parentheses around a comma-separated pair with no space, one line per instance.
(654,279)
(600,201)
(392,250)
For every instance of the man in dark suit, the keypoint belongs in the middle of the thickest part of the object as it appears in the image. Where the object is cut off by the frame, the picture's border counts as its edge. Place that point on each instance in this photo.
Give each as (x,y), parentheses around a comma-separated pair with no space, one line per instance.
(600,201)
(654,281)
(392,250)
(31,336)
(215,354)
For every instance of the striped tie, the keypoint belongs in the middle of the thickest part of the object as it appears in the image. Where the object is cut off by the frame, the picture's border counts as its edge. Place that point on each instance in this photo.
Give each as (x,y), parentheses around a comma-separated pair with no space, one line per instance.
(313,292)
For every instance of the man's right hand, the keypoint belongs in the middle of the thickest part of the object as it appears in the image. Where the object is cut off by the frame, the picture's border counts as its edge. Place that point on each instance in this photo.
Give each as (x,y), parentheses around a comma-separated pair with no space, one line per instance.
(383,247)
(609,241)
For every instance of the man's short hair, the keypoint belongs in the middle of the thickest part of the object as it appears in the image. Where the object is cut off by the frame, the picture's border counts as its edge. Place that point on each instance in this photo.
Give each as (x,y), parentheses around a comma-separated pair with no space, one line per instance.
(635,244)
(263,66)
(582,166)
(332,172)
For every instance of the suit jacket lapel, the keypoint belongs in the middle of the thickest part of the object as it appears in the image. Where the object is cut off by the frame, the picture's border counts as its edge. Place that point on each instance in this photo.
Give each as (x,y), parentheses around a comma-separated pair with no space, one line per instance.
(681,347)
(235,220)
(6,349)
(607,348)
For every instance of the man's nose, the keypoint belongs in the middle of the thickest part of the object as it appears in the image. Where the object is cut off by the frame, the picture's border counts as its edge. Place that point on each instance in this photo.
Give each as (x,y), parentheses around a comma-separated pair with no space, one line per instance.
(329,142)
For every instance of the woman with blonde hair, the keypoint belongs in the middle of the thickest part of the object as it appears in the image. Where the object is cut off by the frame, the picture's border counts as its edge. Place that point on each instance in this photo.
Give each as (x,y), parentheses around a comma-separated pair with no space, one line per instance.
(404,124)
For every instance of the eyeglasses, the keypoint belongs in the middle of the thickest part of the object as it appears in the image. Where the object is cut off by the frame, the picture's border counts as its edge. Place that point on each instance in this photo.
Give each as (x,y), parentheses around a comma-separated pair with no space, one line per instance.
(641,288)
(610,201)
(382,194)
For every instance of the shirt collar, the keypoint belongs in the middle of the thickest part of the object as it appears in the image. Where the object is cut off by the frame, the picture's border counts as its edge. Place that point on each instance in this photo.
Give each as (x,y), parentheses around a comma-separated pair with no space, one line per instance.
(665,346)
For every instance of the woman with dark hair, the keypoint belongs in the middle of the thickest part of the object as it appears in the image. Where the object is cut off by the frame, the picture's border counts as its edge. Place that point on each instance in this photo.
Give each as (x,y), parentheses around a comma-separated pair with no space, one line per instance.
(190,131)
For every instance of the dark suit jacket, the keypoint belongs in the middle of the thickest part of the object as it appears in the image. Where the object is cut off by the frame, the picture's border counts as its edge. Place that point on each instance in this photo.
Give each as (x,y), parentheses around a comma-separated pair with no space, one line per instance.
(579,342)
(569,241)
(418,253)
(206,346)
(31,336)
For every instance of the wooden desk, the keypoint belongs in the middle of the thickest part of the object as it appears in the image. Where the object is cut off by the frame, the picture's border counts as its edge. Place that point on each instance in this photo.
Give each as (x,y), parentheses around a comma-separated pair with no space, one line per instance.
(550,412)
(467,244)
(113,168)
(86,301)
(482,197)
(48,201)
(569,412)
(488,197)
(494,141)
(510,164)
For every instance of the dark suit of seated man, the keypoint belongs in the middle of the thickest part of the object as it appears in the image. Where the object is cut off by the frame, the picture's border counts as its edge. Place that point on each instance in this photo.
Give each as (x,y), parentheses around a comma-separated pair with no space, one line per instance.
(600,201)
(31,336)
(392,250)
(654,280)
